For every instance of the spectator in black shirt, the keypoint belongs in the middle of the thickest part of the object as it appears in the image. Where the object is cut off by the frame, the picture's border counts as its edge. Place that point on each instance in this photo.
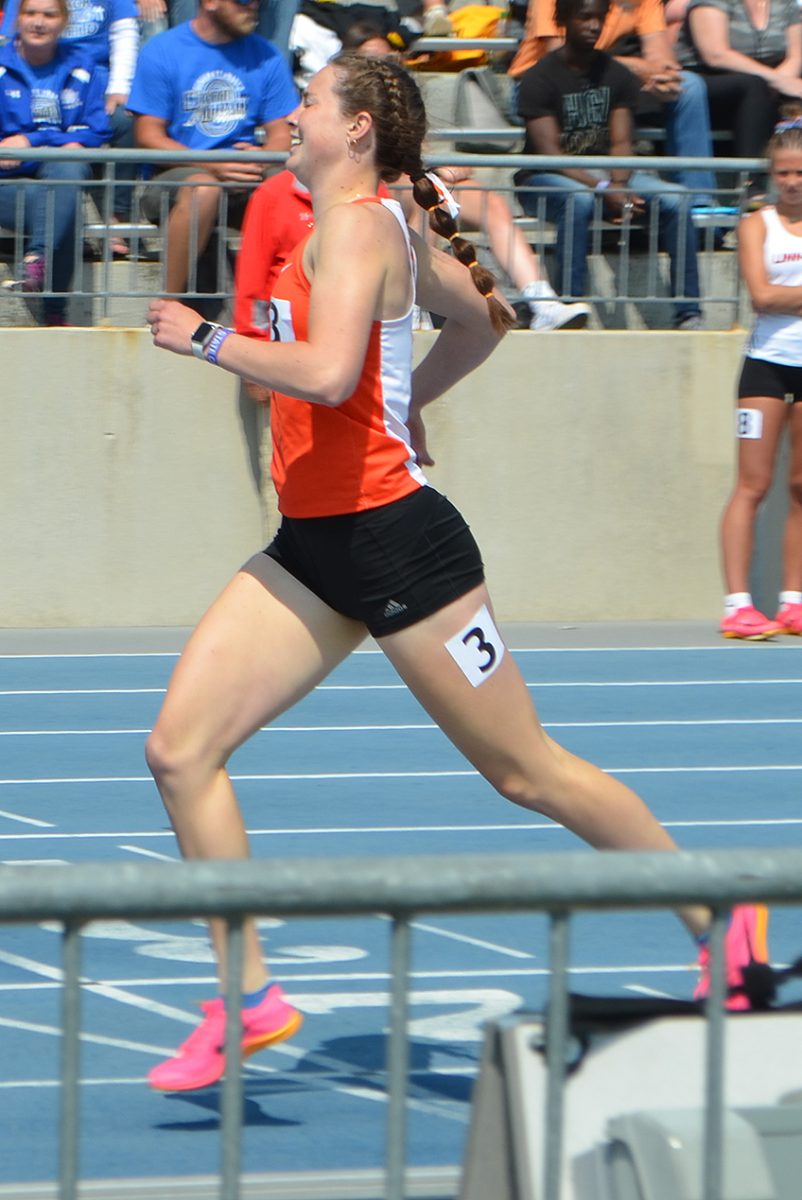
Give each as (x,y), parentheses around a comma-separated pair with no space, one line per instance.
(578,100)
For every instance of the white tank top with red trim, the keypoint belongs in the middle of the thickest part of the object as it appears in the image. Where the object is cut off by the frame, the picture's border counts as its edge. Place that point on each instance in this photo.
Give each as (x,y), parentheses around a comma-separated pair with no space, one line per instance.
(357,456)
(777,337)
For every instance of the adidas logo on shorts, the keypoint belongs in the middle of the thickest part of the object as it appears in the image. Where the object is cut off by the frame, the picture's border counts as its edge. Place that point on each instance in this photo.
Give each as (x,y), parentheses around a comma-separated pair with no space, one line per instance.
(393,609)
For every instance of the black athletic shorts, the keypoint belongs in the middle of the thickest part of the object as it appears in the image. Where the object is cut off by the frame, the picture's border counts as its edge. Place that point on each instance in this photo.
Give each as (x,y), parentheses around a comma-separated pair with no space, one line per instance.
(387,567)
(762,378)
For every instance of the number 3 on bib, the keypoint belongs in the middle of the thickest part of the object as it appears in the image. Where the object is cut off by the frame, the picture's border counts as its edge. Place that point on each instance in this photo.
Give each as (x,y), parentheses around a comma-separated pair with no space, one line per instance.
(478,648)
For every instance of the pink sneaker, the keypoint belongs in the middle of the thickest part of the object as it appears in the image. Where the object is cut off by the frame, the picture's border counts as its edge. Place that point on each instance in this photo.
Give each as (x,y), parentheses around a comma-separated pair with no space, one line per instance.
(200,1060)
(790,618)
(745,944)
(33,276)
(750,624)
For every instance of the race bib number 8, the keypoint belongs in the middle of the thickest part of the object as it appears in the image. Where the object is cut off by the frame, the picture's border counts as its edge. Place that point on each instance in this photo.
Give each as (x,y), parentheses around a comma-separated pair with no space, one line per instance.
(281,327)
(749,423)
(478,648)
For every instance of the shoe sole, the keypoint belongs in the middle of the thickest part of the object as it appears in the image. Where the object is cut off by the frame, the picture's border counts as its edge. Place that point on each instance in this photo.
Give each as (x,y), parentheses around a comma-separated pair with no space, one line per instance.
(577,322)
(251,1045)
(758,935)
(751,637)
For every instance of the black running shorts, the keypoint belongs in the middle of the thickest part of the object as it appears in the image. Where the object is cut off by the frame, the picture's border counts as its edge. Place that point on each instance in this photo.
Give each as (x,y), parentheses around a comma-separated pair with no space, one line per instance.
(387,567)
(759,377)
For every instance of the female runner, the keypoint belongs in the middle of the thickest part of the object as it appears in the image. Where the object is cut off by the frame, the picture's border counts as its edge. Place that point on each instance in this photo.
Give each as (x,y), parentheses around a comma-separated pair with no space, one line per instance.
(365,545)
(770,247)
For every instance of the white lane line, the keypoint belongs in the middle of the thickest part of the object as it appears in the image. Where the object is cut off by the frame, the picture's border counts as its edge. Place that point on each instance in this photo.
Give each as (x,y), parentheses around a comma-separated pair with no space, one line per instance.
(10,816)
(647,991)
(538,685)
(291,980)
(317,776)
(469,941)
(70,657)
(56,1083)
(98,989)
(422,727)
(129,691)
(331,1066)
(329,830)
(376,653)
(149,853)
(94,1039)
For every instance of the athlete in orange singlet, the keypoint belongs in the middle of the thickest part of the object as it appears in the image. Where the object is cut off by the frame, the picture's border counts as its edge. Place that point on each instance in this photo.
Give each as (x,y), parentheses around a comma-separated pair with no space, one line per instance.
(365,544)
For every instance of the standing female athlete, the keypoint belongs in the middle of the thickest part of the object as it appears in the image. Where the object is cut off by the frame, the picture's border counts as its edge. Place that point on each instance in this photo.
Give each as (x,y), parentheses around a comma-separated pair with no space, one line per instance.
(770,246)
(365,545)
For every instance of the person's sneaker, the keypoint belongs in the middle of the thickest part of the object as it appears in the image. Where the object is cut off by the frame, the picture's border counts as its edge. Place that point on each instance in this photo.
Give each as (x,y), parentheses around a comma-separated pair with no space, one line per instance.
(749,624)
(746,954)
(690,321)
(790,618)
(200,1060)
(552,314)
(33,276)
(436,22)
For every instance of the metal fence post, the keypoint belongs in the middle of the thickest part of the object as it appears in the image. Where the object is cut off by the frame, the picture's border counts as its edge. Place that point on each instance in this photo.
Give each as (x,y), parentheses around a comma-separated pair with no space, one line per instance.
(398,1060)
(70,1062)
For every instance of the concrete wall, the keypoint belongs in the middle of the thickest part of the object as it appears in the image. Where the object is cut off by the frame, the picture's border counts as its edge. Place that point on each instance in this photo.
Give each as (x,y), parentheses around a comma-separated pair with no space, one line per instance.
(592,467)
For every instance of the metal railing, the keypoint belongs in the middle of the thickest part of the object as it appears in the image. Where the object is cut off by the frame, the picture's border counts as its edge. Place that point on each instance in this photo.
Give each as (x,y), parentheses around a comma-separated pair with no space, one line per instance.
(109,292)
(560,885)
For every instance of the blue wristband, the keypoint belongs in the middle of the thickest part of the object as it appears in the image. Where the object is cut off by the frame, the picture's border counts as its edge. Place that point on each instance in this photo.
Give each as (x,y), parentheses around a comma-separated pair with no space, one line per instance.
(215,343)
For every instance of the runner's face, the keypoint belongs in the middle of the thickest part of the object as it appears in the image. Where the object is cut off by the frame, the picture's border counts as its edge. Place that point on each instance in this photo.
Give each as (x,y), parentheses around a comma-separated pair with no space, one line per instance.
(786,172)
(320,129)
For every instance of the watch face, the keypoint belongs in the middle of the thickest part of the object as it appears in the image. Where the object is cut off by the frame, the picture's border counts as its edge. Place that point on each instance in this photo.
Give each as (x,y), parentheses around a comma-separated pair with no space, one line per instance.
(203,331)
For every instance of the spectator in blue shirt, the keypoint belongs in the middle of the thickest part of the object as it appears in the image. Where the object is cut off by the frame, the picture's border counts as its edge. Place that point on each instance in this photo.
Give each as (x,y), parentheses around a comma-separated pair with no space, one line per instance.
(107,33)
(50,95)
(209,84)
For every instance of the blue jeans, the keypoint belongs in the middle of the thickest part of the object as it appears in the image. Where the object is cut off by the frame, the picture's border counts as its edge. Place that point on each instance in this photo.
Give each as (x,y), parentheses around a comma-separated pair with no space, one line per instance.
(49,218)
(275,22)
(571,210)
(688,136)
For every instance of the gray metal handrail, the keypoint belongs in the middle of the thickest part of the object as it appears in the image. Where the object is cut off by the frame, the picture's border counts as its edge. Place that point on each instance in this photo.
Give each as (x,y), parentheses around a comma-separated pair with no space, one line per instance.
(557,884)
(400,885)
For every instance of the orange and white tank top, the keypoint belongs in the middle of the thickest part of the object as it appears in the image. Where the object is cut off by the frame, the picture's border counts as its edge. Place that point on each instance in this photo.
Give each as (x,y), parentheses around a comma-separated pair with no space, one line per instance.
(330,461)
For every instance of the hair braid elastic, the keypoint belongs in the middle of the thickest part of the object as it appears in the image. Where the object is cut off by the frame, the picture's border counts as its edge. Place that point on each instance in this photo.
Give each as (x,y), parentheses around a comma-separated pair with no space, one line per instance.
(427,196)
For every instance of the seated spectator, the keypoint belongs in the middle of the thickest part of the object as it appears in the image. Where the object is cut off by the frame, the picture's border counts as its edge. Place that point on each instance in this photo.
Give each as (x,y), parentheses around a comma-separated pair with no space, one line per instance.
(106,32)
(52,95)
(209,84)
(322,28)
(749,55)
(579,100)
(634,33)
(482,208)
(275,19)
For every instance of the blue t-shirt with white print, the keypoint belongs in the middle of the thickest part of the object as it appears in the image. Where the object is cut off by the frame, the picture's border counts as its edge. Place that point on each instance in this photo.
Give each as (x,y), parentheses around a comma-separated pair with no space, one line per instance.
(211,96)
(88,24)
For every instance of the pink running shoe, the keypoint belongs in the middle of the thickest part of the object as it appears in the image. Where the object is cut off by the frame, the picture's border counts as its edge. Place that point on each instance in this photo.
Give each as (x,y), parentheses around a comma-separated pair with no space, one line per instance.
(33,276)
(790,618)
(750,624)
(200,1060)
(745,944)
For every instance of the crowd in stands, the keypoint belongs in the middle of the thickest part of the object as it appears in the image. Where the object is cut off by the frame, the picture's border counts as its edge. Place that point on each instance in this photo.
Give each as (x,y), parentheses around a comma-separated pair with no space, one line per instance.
(224,74)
